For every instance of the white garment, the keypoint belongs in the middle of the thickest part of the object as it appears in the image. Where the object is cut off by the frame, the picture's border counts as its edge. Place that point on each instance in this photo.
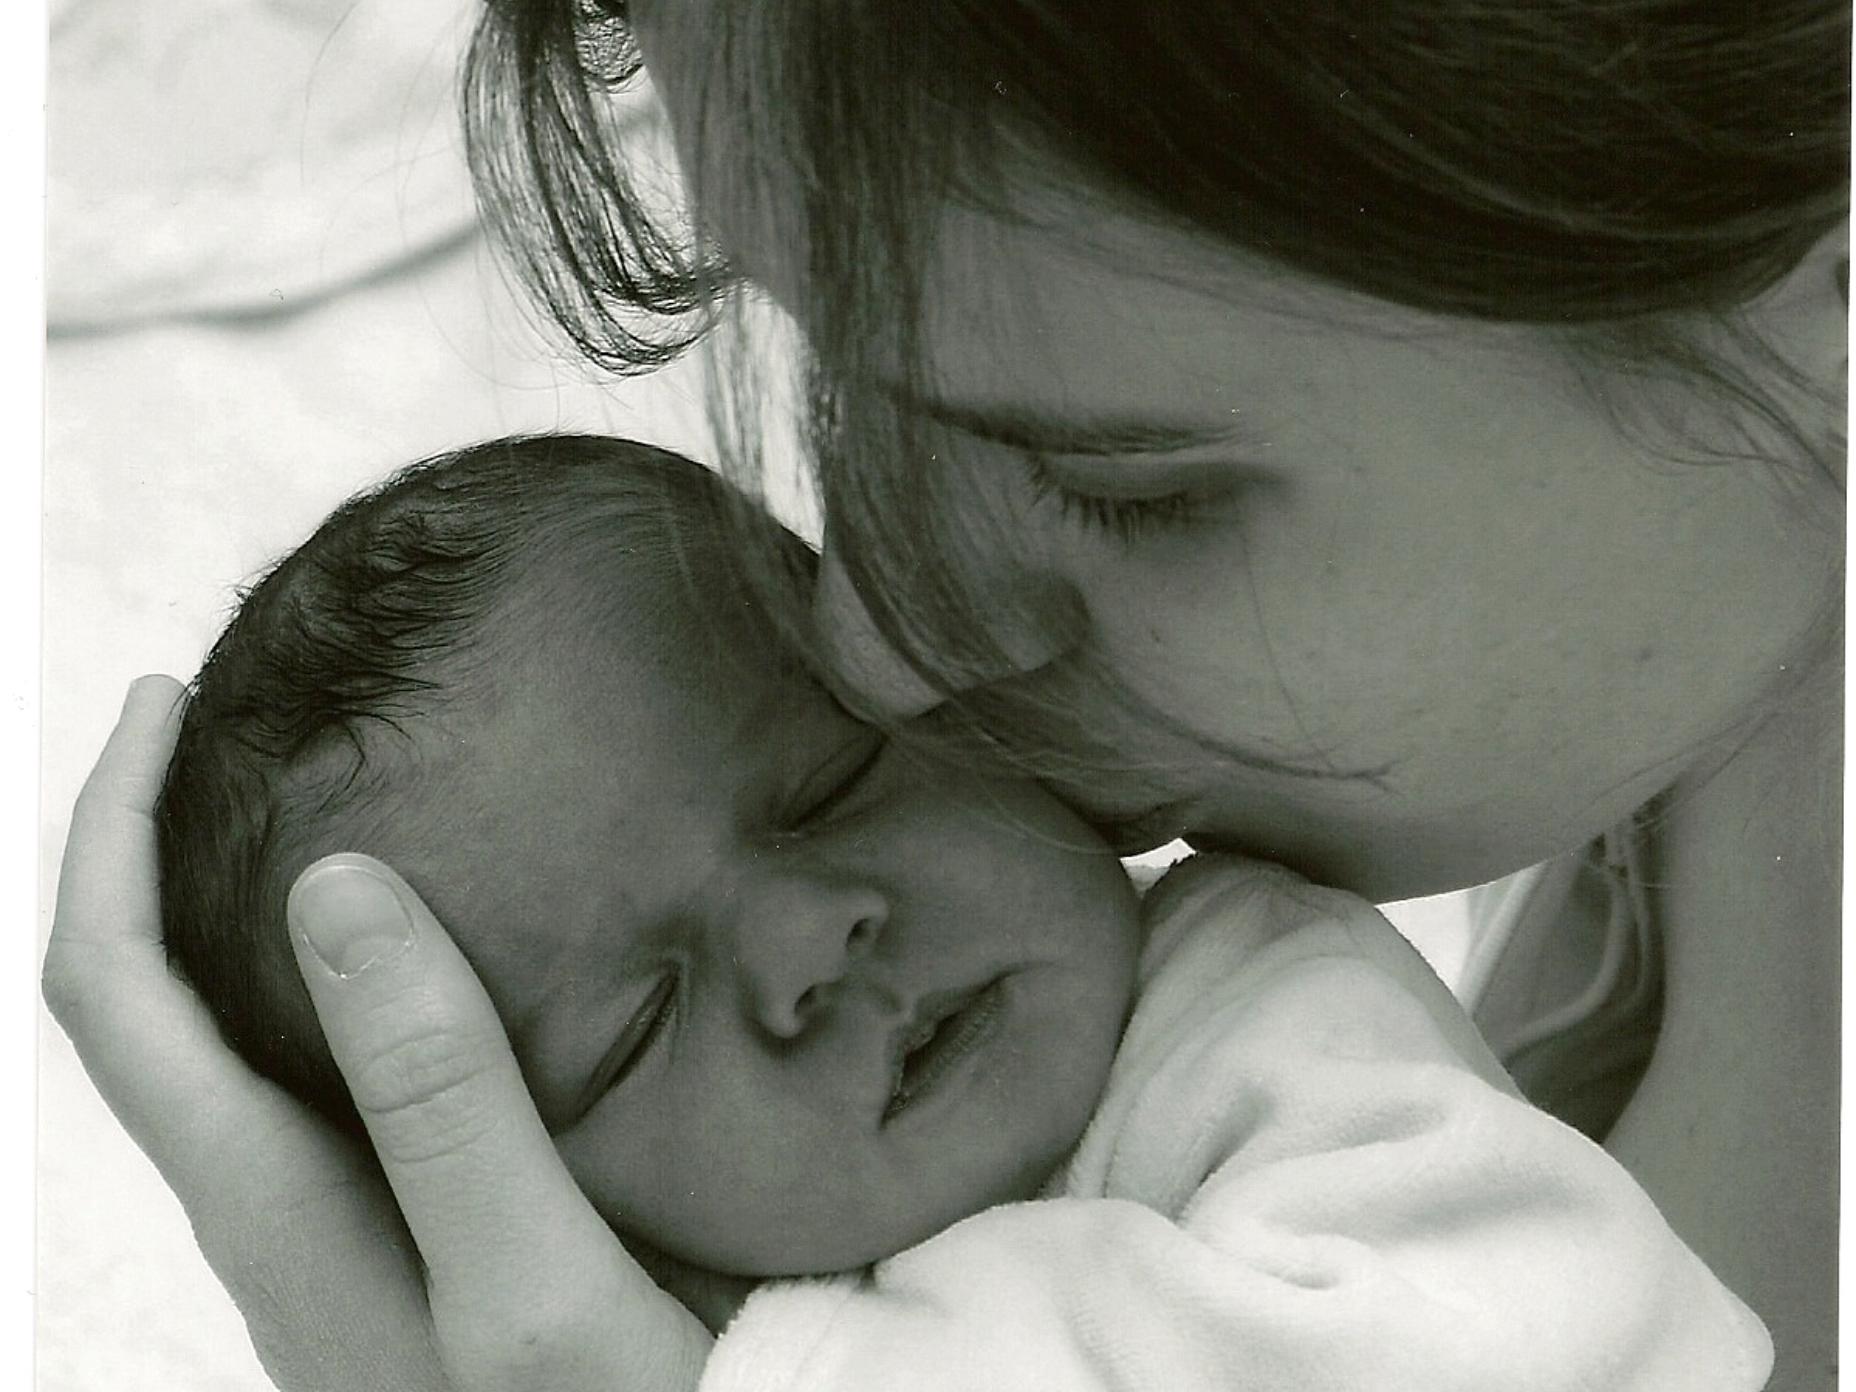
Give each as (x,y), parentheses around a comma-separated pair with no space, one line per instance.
(1306,1173)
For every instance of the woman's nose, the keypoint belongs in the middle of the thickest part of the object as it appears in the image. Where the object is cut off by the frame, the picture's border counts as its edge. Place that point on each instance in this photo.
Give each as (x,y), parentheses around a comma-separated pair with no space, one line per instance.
(800,941)
(879,682)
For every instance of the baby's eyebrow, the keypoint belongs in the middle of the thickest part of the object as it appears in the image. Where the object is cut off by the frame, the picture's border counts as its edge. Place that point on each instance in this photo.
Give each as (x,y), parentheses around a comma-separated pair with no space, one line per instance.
(1086,434)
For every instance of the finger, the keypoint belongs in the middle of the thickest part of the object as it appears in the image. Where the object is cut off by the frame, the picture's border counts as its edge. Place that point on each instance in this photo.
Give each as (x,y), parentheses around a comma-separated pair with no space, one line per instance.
(144,1038)
(525,1280)
(136,754)
(108,891)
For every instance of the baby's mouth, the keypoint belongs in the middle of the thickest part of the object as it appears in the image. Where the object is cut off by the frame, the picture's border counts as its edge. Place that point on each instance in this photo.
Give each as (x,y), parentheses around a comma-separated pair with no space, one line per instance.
(947,1029)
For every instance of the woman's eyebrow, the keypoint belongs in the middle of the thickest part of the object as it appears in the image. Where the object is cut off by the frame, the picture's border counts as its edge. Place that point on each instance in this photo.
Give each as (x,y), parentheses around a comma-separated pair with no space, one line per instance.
(1085,434)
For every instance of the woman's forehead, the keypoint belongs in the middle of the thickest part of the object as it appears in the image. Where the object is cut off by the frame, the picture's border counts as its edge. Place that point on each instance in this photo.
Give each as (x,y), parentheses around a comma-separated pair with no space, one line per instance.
(1144,339)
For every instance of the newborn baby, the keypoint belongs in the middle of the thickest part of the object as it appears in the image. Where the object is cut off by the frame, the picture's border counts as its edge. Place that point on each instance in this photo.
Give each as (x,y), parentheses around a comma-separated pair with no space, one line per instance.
(795,998)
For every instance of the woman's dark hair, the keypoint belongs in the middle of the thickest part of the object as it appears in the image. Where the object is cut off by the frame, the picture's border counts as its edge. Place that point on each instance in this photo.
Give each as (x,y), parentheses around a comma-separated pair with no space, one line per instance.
(1626,174)
(296,736)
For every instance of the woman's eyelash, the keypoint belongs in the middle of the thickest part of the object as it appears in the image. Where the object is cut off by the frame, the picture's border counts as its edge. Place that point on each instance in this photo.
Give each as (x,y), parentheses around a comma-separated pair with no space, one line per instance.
(1126,520)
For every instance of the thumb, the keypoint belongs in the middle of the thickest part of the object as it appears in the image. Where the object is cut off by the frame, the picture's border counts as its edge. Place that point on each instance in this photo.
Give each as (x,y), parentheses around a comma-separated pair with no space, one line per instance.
(528,1286)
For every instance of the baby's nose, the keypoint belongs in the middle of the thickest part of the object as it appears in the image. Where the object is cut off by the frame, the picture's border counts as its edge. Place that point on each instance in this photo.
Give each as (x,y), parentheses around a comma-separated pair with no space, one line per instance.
(799,942)
(1046,620)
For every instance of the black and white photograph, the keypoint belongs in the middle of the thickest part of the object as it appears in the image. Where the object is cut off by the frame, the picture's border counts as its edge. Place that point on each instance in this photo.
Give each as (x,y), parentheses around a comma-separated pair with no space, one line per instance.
(1032,695)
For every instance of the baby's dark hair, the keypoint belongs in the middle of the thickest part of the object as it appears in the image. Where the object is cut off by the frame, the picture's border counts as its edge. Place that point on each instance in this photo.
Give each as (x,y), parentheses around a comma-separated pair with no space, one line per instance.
(296,728)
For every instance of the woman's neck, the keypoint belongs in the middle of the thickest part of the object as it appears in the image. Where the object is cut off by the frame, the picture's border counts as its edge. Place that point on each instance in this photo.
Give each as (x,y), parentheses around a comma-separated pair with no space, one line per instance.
(1734,1128)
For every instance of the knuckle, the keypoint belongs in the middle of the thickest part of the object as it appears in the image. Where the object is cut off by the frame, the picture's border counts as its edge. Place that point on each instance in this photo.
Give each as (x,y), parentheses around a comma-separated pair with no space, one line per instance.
(423,1095)
(423,1062)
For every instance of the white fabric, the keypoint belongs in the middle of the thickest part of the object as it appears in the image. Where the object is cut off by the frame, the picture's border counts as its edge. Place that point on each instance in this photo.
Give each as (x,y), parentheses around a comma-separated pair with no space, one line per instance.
(235,155)
(1306,1173)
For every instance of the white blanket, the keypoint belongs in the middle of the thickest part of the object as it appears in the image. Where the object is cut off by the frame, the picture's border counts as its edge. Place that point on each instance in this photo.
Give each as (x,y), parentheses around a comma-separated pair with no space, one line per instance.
(1306,1173)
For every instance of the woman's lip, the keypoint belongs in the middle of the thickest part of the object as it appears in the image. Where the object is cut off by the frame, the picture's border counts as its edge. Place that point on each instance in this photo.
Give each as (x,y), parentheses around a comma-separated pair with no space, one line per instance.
(957,1023)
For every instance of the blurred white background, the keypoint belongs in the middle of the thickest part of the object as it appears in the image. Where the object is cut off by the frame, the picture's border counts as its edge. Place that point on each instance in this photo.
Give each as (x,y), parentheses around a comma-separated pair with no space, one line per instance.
(265,288)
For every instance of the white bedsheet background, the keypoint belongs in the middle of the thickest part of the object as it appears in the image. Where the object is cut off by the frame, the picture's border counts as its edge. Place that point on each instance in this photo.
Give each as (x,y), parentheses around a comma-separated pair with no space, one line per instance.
(232,155)
(265,290)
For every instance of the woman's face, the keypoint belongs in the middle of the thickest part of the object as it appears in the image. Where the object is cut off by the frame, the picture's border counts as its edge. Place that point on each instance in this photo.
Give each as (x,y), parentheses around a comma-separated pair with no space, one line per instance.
(1434,610)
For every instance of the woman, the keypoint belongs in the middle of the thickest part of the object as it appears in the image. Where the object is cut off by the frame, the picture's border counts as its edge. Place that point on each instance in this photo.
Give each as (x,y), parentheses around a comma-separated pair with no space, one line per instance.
(1402,441)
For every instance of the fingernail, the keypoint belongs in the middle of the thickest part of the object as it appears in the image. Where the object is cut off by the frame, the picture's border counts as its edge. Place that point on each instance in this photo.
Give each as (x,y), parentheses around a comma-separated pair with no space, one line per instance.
(137,688)
(349,916)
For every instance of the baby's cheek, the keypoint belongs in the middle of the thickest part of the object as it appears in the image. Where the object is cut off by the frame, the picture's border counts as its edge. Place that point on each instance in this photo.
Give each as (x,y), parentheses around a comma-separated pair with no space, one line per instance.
(1026,857)
(738,1181)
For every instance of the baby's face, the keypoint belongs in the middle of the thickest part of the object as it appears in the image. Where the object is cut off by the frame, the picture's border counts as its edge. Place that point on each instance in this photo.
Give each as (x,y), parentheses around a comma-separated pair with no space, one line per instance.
(789,998)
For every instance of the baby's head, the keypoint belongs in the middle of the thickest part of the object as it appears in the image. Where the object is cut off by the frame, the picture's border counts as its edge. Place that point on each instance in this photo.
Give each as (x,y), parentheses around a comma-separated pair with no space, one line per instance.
(789,997)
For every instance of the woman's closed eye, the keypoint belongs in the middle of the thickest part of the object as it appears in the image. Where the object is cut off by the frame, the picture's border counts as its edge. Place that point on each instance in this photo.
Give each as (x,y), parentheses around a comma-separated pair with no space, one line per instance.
(1122,514)
(645,1028)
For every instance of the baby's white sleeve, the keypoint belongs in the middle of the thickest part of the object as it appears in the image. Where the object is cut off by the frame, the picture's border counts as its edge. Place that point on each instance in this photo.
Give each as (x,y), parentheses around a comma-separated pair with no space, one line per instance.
(1367,1208)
